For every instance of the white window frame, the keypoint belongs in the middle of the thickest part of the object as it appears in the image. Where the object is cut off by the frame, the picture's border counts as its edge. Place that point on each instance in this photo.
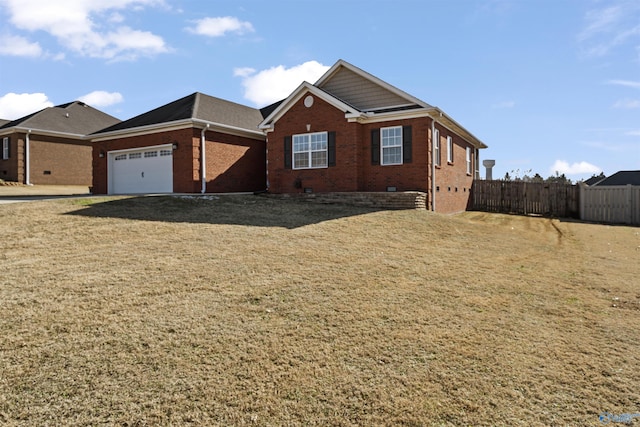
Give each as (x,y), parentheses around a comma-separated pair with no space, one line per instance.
(469,170)
(393,142)
(449,149)
(307,138)
(436,147)
(5,148)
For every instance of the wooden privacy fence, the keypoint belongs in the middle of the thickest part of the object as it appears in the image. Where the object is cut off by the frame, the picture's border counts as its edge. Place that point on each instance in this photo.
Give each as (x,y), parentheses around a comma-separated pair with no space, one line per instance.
(525,198)
(619,204)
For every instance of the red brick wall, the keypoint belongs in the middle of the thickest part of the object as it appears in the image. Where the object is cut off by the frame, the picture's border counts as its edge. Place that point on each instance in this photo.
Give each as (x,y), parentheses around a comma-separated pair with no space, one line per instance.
(183,167)
(453,184)
(233,163)
(413,176)
(321,117)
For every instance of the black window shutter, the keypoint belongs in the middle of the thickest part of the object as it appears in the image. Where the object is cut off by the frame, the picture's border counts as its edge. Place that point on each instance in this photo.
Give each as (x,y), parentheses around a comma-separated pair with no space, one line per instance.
(375,146)
(287,152)
(406,144)
(331,148)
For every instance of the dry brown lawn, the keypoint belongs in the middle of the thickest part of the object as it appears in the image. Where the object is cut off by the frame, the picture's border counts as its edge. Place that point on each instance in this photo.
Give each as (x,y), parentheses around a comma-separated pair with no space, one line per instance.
(247,310)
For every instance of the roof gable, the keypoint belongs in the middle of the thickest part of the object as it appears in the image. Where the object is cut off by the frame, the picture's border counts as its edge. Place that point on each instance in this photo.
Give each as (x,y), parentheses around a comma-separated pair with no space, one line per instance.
(76,118)
(196,106)
(365,91)
(283,106)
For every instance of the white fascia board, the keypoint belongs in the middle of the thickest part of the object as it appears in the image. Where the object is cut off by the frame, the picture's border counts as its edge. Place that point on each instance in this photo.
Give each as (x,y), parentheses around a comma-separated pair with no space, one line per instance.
(445,120)
(142,130)
(21,129)
(342,63)
(176,125)
(231,130)
(296,95)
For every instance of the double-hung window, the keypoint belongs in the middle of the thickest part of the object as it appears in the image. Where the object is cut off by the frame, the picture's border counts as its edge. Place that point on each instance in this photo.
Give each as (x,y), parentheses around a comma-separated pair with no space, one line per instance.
(469,160)
(310,150)
(436,147)
(391,145)
(449,149)
(5,148)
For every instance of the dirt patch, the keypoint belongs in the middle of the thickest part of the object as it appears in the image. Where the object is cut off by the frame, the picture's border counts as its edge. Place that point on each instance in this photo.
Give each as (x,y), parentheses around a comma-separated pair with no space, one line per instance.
(248,311)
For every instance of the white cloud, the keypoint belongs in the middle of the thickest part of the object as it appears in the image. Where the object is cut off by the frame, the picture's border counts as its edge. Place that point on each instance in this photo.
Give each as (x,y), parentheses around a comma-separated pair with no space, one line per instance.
(627,83)
(504,104)
(217,27)
(610,27)
(19,46)
(276,83)
(562,167)
(633,133)
(16,105)
(87,27)
(627,104)
(101,98)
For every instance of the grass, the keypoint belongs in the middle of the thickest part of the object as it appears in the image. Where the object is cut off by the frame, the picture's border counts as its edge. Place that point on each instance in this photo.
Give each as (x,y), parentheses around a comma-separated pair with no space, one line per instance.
(245,310)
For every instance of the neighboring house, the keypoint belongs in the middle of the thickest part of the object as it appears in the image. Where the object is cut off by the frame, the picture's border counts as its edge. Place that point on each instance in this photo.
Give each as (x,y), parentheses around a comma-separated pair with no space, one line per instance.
(48,147)
(351,131)
(194,144)
(620,178)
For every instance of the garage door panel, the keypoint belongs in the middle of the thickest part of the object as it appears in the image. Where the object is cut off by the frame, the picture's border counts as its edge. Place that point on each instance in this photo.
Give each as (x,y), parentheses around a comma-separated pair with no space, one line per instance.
(142,171)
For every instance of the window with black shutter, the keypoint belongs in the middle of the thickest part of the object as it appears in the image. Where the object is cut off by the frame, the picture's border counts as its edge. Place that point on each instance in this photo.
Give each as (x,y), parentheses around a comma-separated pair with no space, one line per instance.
(287,152)
(375,146)
(331,148)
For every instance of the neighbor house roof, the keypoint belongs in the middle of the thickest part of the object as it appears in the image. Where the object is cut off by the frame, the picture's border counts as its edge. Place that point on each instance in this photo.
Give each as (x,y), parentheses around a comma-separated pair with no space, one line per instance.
(365,98)
(197,110)
(72,119)
(621,178)
(3,122)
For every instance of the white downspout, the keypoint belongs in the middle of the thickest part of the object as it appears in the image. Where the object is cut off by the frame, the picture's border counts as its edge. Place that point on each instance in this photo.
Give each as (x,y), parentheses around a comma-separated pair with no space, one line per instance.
(203,155)
(27,169)
(433,164)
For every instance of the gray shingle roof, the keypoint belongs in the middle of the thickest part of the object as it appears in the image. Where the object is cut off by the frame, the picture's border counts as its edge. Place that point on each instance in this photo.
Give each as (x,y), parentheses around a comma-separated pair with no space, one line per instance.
(72,118)
(195,106)
(621,178)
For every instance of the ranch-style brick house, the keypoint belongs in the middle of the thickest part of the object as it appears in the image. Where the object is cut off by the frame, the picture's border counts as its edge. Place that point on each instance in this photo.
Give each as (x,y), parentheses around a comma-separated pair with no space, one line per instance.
(196,144)
(348,132)
(49,146)
(352,132)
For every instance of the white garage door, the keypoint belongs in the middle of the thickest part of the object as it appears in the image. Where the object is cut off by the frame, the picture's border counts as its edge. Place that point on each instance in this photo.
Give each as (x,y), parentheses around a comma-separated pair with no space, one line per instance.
(143,171)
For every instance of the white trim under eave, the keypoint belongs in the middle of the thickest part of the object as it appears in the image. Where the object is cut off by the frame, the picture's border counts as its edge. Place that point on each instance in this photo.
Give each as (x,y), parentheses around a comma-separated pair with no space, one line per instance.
(43,132)
(175,125)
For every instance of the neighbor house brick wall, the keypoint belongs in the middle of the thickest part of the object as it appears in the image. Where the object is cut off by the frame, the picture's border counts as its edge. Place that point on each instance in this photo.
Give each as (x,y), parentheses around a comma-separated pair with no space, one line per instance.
(453,184)
(12,169)
(52,160)
(56,161)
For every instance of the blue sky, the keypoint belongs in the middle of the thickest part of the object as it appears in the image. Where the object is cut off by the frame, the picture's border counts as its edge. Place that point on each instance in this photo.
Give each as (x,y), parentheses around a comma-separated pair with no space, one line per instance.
(548,85)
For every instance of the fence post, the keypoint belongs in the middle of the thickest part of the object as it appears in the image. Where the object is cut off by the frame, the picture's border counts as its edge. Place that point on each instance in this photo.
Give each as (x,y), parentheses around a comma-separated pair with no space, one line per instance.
(629,207)
(581,198)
